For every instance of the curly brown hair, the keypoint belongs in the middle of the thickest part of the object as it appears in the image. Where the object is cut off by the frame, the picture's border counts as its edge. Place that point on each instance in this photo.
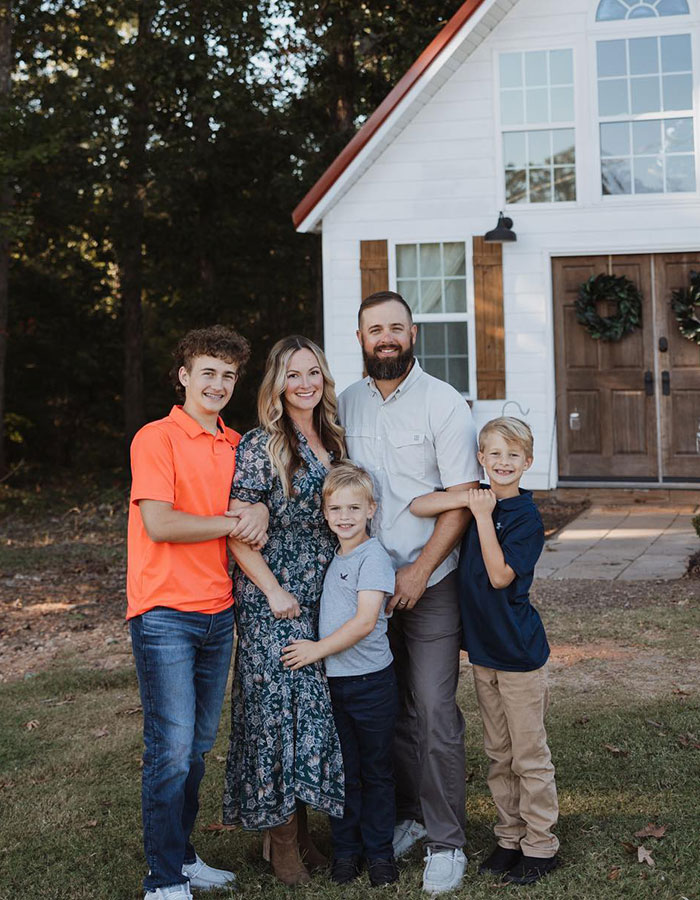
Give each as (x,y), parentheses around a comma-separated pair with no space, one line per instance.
(218,341)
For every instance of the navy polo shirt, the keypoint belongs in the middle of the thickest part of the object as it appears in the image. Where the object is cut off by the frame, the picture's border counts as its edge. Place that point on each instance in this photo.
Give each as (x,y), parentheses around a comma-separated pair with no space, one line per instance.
(500,628)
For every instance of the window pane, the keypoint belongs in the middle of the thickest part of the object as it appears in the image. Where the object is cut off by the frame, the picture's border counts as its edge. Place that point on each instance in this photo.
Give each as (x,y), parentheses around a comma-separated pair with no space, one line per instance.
(516,186)
(561,67)
(612,97)
(675,53)
(406,260)
(536,105)
(680,173)
(648,175)
(612,58)
(539,148)
(512,107)
(511,69)
(641,12)
(457,338)
(672,7)
(564,183)
(617,176)
(430,264)
(644,56)
(433,338)
(609,10)
(678,135)
(456,296)
(562,104)
(458,373)
(435,366)
(646,138)
(678,91)
(563,145)
(409,292)
(614,139)
(540,185)
(430,296)
(514,149)
(535,68)
(645,95)
(453,256)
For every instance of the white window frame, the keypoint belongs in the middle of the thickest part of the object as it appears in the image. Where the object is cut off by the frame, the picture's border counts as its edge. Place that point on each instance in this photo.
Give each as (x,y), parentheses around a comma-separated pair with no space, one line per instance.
(626,29)
(468,316)
(577,124)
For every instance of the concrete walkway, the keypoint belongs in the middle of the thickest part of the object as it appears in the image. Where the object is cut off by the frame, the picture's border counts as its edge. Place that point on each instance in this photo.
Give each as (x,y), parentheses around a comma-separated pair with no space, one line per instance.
(634,542)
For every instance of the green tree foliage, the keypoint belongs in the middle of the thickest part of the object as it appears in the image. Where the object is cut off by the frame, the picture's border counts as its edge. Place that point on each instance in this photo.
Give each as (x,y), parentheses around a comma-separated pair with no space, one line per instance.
(153,152)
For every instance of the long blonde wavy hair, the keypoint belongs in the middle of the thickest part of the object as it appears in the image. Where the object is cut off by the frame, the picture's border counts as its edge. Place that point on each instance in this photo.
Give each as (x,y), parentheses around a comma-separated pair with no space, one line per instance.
(283,444)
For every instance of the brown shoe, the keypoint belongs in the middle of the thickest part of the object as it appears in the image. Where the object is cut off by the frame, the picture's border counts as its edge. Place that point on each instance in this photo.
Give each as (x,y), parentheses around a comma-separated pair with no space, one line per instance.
(311,856)
(281,849)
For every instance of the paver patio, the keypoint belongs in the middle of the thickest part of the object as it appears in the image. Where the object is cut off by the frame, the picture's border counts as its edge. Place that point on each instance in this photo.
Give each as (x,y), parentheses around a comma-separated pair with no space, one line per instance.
(630,542)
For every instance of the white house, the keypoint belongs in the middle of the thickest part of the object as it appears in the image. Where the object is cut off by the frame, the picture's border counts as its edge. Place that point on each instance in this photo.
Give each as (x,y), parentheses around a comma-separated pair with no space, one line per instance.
(580,120)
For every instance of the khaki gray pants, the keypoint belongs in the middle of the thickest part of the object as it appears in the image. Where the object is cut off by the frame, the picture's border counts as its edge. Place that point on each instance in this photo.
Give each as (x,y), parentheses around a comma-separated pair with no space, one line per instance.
(521,774)
(429,740)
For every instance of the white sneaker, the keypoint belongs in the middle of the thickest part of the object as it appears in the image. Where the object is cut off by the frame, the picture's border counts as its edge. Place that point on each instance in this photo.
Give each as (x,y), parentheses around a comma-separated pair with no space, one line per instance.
(407,832)
(171,892)
(444,870)
(206,877)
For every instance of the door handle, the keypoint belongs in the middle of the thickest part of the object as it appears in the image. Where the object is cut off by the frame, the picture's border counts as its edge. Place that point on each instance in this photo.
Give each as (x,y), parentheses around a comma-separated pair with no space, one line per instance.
(665,383)
(648,383)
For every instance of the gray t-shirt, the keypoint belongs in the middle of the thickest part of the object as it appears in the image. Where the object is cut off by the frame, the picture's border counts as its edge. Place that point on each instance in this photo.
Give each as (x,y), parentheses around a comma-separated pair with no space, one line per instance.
(366,568)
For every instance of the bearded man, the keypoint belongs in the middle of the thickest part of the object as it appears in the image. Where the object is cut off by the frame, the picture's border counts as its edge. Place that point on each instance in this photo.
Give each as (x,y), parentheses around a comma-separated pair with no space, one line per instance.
(414,433)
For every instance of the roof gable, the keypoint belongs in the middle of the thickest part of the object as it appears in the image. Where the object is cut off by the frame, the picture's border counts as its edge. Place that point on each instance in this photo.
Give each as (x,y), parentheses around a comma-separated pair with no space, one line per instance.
(465,31)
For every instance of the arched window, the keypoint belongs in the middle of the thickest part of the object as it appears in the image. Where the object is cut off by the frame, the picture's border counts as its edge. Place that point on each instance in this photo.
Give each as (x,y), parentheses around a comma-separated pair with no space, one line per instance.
(610,10)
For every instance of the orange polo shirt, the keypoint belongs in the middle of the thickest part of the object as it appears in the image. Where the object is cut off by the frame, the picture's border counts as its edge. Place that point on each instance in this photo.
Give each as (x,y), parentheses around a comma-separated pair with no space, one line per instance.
(179,462)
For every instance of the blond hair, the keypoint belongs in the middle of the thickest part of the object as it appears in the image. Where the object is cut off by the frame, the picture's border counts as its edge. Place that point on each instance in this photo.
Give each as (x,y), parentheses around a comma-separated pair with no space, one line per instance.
(513,431)
(283,443)
(348,475)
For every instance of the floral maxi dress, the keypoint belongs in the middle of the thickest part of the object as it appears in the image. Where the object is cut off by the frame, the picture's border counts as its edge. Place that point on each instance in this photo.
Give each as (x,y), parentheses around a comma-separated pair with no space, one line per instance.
(283,742)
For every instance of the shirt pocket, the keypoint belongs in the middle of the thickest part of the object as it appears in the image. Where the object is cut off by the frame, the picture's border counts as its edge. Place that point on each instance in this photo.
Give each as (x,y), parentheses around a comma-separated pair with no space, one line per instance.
(407,453)
(360,441)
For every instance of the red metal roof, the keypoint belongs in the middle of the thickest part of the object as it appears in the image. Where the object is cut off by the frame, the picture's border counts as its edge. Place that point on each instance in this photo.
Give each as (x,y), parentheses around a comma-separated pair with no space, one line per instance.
(384,110)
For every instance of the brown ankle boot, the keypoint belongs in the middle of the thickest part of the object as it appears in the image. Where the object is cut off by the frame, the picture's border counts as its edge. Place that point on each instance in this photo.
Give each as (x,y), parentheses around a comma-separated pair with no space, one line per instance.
(280,848)
(311,856)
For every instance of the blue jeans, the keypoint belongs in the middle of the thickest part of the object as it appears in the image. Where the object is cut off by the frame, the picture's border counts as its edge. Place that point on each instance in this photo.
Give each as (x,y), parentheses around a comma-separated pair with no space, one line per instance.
(365,709)
(182,661)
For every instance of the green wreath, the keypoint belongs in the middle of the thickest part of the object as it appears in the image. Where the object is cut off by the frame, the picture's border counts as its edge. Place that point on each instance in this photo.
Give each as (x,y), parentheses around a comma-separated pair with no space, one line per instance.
(685,304)
(609,287)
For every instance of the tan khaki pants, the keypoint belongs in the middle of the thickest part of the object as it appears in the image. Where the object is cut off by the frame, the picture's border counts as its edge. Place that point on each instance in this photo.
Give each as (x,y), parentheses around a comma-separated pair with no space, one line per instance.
(521,774)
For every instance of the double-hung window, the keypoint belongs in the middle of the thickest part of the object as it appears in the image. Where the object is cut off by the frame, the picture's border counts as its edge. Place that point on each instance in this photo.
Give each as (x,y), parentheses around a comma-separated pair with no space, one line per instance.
(432,278)
(537,124)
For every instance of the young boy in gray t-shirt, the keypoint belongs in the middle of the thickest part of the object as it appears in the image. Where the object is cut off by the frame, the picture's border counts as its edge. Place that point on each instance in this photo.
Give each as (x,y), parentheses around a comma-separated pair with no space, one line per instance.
(359,666)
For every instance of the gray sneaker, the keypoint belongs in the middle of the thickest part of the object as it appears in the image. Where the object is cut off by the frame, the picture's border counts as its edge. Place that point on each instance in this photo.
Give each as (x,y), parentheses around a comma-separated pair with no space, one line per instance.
(444,870)
(170,892)
(407,832)
(205,878)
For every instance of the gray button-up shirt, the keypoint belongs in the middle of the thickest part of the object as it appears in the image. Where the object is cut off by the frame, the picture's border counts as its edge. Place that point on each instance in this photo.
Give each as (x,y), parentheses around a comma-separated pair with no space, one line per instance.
(421,438)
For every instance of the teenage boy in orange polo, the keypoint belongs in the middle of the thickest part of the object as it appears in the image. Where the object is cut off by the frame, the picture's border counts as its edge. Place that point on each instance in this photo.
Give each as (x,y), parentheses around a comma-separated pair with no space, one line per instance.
(180,608)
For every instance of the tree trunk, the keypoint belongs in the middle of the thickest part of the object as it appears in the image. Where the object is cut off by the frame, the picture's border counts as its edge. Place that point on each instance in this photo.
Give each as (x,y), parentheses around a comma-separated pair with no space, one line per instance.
(5,209)
(130,239)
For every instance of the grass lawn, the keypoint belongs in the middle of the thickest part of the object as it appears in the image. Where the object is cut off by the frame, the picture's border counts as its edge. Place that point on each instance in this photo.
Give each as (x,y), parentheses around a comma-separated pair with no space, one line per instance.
(624,728)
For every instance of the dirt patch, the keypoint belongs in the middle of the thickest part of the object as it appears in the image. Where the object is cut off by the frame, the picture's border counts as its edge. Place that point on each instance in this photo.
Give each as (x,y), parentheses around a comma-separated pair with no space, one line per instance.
(582,595)
(556,513)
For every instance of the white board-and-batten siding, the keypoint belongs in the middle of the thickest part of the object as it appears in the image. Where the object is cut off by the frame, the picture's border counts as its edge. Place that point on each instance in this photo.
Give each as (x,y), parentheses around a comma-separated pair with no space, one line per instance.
(440,179)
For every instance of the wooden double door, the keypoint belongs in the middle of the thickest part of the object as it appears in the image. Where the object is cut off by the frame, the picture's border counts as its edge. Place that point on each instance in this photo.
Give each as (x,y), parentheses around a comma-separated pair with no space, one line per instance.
(630,410)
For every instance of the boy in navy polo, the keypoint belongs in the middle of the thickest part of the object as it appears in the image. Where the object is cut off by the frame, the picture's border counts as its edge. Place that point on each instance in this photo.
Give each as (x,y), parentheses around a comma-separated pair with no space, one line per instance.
(508,649)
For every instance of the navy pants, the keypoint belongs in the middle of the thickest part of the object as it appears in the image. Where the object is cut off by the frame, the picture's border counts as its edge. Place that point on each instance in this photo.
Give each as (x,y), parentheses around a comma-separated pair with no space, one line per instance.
(365,709)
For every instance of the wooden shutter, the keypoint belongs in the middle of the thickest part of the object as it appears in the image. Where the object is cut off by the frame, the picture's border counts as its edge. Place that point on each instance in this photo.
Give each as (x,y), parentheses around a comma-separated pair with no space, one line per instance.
(490,329)
(374,267)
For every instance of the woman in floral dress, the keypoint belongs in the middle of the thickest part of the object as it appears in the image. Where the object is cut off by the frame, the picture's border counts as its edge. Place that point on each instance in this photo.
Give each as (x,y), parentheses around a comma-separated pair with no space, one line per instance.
(284,750)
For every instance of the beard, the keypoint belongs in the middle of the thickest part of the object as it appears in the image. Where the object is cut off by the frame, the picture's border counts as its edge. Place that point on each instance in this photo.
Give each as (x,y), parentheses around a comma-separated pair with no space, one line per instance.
(388,369)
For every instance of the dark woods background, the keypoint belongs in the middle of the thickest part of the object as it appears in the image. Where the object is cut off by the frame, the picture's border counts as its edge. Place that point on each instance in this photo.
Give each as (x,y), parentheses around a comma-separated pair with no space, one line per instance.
(151,154)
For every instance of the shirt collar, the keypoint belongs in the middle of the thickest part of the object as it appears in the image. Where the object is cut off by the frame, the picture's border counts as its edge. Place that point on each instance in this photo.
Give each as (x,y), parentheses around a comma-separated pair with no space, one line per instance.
(192,428)
(407,382)
(524,498)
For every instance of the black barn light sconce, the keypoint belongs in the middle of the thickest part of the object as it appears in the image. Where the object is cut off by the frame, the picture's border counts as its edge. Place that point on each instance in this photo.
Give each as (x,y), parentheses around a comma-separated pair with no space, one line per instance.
(502,232)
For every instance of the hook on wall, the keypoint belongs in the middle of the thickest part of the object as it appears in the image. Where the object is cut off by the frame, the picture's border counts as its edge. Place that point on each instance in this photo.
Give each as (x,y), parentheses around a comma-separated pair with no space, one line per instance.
(523,412)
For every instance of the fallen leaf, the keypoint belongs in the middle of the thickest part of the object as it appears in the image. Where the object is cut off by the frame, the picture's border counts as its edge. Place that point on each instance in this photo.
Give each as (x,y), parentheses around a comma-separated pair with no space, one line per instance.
(614,873)
(677,689)
(582,721)
(31,725)
(688,740)
(220,758)
(653,723)
(92,823)
(218,826)
(651,830)
(130,711)
(643,856)
(616,751)
(629,847)
(100,732)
